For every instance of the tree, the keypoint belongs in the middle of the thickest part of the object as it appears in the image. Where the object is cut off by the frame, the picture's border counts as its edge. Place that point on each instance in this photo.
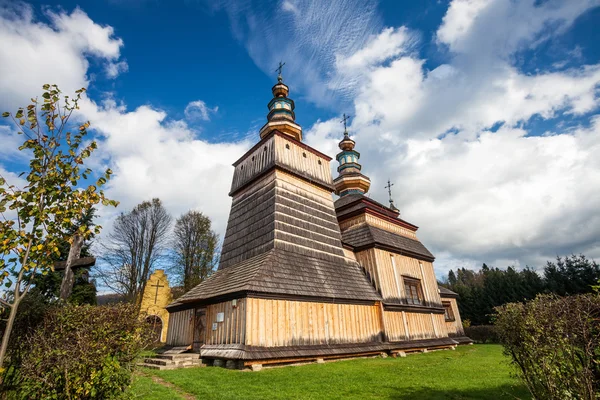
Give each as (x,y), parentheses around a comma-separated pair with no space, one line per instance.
(194,246)
(571,275)
(42,210)
(138,241)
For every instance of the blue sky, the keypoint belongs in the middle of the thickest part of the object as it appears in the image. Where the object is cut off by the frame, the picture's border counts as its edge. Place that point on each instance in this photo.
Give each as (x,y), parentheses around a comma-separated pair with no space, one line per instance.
(484,112)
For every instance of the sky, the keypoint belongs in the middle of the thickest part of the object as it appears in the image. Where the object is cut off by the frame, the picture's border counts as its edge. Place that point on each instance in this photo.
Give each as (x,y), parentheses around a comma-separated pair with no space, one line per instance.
(483,113)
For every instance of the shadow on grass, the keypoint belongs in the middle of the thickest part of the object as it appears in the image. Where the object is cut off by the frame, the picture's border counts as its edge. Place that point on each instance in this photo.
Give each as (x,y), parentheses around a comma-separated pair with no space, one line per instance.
(495,392)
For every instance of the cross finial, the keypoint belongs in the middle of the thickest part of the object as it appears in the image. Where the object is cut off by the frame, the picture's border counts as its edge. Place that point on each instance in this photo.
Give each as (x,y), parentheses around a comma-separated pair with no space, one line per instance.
(279,69)
(344,120)
(389,188)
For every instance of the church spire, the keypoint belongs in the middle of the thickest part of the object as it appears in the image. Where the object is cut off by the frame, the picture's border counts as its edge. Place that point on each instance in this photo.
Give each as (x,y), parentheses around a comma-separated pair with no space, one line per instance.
(350,180)
(281,115)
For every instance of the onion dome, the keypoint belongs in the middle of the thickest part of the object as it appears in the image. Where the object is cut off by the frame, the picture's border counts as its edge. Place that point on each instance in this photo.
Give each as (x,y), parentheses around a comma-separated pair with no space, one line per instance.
(281,114)
(350,180)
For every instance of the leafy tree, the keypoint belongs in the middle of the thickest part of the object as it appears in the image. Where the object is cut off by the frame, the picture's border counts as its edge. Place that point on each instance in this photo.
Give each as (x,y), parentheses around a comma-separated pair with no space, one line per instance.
(49,284)
(35,217)
(136,244)
(194,246)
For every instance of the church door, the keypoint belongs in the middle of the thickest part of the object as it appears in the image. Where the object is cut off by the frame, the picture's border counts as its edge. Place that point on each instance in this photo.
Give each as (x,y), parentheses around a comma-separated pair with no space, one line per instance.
(199,328)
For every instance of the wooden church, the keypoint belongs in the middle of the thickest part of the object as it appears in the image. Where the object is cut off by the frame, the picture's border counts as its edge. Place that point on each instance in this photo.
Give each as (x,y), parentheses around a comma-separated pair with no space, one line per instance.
(302,277)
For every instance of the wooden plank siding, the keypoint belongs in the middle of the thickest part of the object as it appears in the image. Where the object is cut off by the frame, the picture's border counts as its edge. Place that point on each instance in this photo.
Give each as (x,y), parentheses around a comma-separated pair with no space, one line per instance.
(454,328)
(387,276)
(275,323)
(231,330)
(180,331)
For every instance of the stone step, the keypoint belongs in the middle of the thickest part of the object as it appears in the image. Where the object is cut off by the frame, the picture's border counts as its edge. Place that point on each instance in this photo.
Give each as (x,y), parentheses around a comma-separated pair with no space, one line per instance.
(158,361)
(155,366)
(191,356)
(177,363)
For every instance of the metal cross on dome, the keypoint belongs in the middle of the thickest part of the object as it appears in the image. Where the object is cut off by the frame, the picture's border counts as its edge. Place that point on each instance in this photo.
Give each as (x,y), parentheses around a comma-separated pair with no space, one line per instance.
(279,68)
(344,121)
(389,188)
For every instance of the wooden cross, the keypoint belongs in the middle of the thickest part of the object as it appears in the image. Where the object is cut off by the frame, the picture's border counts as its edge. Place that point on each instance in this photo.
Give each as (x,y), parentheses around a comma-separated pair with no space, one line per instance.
(346,118)
(389,188)
(280,68)
(158,285)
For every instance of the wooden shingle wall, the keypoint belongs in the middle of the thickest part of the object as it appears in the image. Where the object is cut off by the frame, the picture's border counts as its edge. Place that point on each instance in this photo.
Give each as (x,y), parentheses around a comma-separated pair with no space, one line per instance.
(304,217)
(378,222)
(180,331)
(293,323)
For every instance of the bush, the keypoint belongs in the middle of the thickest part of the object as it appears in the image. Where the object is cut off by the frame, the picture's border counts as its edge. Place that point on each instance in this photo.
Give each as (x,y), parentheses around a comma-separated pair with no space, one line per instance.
(482,333)
(82,352)
(554,342)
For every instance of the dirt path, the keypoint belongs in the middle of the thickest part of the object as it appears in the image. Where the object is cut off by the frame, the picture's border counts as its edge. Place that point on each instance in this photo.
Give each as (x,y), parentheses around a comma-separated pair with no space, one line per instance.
(169,385)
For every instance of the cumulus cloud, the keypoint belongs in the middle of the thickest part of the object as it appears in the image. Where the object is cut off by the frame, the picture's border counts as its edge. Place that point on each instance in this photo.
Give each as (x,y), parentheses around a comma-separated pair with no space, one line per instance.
(198,110)
(114,69)
(151,154)
(34,53)
(480,194)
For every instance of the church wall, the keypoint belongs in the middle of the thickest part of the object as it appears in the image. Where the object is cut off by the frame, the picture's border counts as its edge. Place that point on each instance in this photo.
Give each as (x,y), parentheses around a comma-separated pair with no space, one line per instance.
(301,160)
(404,325)
(180,328)
(379,223)
(305,218)
(454,328)
(292,323)
(229,331)
(387,275)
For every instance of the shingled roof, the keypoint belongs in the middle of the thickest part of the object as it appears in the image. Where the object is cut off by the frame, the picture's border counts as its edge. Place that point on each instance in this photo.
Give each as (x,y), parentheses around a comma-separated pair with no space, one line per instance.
(365,236)
(445,292)
(281,272)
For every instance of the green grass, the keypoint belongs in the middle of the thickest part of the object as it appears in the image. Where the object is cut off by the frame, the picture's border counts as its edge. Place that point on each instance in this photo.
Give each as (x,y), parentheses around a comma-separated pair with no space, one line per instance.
(144,388)
(470,372)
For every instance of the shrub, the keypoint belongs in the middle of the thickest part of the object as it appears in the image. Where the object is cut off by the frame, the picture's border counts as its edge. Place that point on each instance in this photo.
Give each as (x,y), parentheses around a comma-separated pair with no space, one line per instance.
(83,352)
(482,333)
(554,342)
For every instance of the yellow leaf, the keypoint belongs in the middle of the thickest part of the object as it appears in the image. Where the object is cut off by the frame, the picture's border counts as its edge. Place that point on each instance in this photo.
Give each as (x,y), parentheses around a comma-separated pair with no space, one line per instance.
(40,247)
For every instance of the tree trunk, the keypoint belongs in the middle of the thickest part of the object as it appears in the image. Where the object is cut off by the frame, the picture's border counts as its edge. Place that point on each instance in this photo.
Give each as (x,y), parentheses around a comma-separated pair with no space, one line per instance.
(66,286)
(7,331)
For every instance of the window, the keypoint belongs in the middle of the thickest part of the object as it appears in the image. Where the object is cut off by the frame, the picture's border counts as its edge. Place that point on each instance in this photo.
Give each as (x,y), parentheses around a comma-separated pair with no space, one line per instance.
(448,313)
(414,293)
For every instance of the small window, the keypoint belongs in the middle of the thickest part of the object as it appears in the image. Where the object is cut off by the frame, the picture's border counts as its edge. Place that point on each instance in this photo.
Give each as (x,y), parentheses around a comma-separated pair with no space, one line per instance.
(448,313)
(304,155)
(320,162)
(252,158)
(265,149)
(287,146)
(413,291)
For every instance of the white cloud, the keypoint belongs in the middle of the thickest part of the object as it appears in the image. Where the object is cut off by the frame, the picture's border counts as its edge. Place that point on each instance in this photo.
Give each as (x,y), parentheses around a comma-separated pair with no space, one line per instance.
(154,157)
(150,154)
(33,53)
(480,195)
(307,35)
(114,69)
(198,110)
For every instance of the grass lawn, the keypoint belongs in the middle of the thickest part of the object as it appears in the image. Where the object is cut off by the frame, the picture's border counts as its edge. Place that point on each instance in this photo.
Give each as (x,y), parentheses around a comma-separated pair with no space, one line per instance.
(470,372)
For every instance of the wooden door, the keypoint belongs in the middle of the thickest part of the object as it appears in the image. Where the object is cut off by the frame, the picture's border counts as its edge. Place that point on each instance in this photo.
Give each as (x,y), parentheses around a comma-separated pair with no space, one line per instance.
(199,328)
